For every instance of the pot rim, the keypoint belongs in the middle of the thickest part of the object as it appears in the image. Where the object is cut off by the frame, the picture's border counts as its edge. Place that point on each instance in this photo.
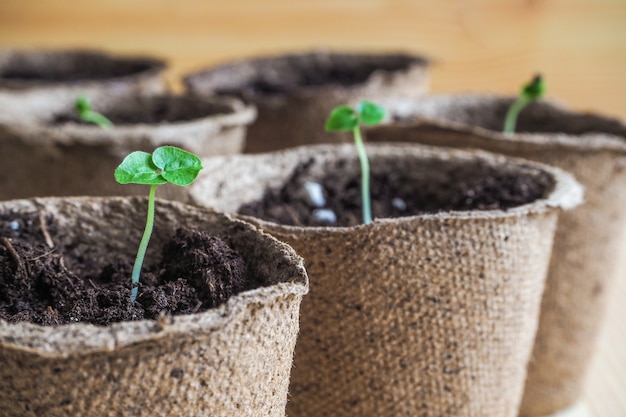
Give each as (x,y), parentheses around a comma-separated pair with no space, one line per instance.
(154,66)
(586,142)
(566,194)
(412,61)
(237,111)
(240,114)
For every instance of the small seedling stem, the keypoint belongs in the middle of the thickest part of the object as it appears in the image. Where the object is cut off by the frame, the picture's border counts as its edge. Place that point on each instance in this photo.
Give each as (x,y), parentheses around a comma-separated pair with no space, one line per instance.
(97,119)
(365,175)
(86,114)
(532,91)
(511,116)
(143,245)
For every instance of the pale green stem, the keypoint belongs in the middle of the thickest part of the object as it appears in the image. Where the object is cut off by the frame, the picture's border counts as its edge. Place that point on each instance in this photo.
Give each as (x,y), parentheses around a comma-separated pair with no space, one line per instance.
(141,253)
(365,176)
(96,118)
(514,110)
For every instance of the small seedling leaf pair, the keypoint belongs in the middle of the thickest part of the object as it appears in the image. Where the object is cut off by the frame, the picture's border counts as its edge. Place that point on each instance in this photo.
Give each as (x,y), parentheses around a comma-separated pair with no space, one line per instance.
(535,89)
(346,118)
(86,114)
(166,164)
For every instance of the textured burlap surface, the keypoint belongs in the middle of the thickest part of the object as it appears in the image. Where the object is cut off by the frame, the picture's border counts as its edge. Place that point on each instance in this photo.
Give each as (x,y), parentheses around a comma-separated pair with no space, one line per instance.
(295,93)
(589,239)
(28,87)
(427,315)
(233,360)
(43,159)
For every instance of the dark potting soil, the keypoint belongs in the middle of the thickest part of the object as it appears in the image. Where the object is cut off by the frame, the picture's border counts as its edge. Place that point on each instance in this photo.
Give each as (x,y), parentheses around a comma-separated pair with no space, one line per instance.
(290,73)
(197,272)
(537,117)
(81,68)
(152,111)
(468,187)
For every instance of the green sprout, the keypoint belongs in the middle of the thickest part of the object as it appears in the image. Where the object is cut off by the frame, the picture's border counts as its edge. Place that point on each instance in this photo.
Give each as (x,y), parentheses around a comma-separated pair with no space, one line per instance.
(166,164)
(86,114)
(530,92)
(344,118)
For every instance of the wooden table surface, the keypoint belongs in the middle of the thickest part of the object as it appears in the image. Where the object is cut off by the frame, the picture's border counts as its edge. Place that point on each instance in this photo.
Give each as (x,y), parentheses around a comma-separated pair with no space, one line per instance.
(476,45)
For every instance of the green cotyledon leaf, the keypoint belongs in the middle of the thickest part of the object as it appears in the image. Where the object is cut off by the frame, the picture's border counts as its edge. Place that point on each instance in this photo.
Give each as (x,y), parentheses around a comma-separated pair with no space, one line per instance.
(370,113)
(535,89)
(138,168)
(177,165)
(342,118)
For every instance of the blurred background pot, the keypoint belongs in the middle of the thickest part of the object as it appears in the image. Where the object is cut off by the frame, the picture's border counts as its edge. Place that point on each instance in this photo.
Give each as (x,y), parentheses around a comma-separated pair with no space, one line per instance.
(589,240)
(294,93)
(35,83)
(428,314)
(232,360)
(59,156)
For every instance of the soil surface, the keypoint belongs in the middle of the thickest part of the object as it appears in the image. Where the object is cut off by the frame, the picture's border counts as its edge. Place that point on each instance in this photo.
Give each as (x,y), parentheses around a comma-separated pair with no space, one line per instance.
(311,76)
(537,117)
(291,73)
(79,69)
(475,187)
(197,272)
(152,111)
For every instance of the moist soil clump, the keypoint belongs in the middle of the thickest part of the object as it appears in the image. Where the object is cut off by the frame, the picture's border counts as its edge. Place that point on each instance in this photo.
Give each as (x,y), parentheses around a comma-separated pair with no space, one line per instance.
(394,194)
(197,272)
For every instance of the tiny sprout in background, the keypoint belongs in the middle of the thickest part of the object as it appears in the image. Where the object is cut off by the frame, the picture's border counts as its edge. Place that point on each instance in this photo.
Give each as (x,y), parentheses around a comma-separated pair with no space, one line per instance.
(345,118)
(530,92)
(86,114)
(166,164)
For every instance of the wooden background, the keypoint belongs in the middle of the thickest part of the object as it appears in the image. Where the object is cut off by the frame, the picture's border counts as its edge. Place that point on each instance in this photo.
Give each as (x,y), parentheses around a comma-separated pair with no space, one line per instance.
(477,45)
(480,45)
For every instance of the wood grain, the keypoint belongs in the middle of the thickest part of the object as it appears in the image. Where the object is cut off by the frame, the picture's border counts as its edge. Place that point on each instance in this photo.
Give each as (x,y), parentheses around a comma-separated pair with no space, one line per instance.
(477,45)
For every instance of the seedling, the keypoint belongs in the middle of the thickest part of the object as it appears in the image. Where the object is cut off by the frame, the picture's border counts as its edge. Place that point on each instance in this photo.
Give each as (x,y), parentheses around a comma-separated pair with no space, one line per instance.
(344,118)
(166,164)
(530,92)
(86,114)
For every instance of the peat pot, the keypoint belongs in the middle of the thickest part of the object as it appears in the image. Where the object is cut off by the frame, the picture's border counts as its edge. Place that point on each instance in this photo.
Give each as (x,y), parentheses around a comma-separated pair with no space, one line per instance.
(58,156)
(295,93)
(231,360)
(430,312)
(589,240)
(34,83)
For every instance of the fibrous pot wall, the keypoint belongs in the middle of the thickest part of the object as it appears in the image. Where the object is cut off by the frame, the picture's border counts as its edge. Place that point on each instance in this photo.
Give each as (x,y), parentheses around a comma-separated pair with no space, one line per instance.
(588,239)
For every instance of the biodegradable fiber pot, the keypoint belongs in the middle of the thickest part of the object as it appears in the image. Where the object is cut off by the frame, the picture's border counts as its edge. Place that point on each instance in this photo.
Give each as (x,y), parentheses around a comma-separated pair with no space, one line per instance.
(295,93)
(429,314)
(61,157)
(589,240)
(34,83)
(233,360)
